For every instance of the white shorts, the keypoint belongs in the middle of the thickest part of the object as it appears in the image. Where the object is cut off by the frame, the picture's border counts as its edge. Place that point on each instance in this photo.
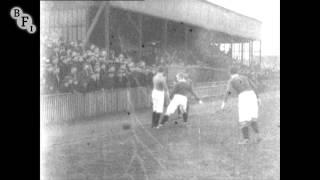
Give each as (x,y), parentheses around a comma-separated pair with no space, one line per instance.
(178,100)
(157,101)
(248,106)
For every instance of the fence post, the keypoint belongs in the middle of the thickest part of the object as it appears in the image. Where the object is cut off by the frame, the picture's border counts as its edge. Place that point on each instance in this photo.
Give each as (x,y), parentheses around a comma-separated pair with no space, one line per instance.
(119,103)
(82,105)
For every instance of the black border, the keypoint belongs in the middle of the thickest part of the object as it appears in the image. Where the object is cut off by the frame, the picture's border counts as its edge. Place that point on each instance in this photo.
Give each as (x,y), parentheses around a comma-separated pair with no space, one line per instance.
(20,88)
(299,49)
(20,101)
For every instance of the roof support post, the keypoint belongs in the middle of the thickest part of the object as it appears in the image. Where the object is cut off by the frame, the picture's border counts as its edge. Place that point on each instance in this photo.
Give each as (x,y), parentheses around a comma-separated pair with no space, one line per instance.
(107,29)
(241,52)
(93,24)
(260,53)
(165,34)
(231,50)
(186,30)
(250,53)
(140,21)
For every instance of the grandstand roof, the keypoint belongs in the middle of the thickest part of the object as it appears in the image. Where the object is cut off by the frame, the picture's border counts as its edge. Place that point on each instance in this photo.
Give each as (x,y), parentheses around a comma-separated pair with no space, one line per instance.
(199,13)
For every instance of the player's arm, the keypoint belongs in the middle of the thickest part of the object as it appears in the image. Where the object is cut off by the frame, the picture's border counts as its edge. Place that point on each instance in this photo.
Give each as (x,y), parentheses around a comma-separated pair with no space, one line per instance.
(166,89)
(227,93)
(174,91)
(254,87)
(166,85)
(193,93)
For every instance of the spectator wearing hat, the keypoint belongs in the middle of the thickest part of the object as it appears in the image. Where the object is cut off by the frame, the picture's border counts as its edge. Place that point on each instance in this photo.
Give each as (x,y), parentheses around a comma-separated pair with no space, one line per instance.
(52,83)
(122,76)
(110,79)
(133,74)
(66,85)
(64,65)
(83,80)
(103,75)
(97,70)
(76,77)
(92,84)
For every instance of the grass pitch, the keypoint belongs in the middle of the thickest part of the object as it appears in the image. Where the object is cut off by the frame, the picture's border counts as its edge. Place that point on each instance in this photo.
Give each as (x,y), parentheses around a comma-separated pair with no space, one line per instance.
(206,148)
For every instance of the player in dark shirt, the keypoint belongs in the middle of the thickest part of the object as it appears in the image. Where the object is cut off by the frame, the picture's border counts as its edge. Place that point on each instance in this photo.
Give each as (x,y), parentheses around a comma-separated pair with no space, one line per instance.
(179,99)
(248,101)
(189,81)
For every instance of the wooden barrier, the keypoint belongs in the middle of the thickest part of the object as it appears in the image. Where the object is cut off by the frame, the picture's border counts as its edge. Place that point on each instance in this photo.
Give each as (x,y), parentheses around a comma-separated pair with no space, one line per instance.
(65,107)
(211,89)
(69,106)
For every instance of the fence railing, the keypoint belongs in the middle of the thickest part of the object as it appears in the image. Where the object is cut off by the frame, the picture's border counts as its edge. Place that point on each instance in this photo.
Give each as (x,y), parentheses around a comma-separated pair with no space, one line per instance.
(70,106)
(210,89)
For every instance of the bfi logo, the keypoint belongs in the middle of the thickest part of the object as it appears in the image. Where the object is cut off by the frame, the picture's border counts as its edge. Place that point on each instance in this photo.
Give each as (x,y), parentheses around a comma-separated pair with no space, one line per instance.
(24,21)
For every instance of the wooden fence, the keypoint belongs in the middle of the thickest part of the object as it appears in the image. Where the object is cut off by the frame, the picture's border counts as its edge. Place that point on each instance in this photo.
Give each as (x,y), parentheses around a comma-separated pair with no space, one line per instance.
(70,106)
(212,89)
(66,107)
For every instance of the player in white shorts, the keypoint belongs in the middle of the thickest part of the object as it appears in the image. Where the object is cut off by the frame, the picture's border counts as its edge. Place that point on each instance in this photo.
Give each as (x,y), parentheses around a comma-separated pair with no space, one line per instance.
(189,81)
(180,99)
(159,92)
(248,103)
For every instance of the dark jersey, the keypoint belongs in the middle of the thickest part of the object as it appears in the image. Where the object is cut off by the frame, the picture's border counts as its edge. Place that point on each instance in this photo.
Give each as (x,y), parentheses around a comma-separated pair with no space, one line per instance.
(240,84)
(183,88)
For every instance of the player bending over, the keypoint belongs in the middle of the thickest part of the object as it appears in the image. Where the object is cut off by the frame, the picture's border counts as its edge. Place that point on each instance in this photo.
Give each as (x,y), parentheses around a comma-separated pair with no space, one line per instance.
(248,102)
(189,81)
(180,99)
(160,89)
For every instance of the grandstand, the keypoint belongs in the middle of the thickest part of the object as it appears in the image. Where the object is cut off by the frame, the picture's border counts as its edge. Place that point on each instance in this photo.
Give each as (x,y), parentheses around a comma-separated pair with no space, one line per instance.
(142,27)
(98,60)
(132,38)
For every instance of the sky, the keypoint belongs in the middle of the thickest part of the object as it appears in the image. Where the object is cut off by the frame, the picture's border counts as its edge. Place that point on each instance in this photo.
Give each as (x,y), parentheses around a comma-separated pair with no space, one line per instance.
(268,12)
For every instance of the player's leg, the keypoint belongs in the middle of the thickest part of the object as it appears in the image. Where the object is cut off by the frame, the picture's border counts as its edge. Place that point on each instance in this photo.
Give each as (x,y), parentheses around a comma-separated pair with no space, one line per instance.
(173,105)
(244,116)
(185,115)
(154,105)
(244,126)
(254,126)
(157,118)
(254,115)
(182,106)
(161,107)
(179,112)
(154,114)
(158,103)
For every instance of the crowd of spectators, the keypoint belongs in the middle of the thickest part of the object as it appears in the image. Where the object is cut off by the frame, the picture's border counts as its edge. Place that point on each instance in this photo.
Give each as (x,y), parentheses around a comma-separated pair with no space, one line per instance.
(67,67)
(187,57)
(258,75)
